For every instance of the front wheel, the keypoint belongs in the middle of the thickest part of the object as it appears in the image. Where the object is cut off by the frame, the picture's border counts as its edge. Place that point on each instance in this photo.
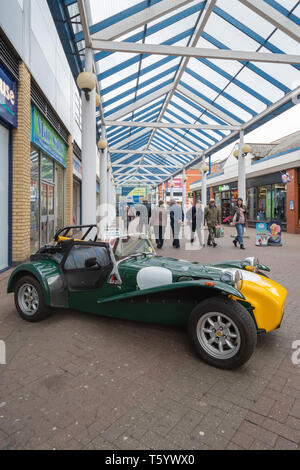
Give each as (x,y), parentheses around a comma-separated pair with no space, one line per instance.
(222,332)
(29,299)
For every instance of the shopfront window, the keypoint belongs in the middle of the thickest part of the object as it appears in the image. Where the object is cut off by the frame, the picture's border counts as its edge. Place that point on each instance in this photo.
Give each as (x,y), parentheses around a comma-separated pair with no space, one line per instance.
(279,201)
(34,201)
(252,203)
(264,203)
(47,169)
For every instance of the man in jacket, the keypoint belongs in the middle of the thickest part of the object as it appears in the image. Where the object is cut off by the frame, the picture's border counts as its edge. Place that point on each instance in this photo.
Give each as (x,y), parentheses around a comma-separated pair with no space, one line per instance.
(212,216)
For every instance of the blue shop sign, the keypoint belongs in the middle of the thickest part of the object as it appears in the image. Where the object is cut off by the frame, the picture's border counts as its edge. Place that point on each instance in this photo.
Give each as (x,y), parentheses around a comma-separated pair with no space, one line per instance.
(8,98)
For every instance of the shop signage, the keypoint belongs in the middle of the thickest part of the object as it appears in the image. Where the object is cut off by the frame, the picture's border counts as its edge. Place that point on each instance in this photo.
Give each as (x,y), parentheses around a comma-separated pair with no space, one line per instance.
(177,182)
(225,187)
(274,229)
(8,98)
(45,137)
(262,234)
(292,205)
(77,168)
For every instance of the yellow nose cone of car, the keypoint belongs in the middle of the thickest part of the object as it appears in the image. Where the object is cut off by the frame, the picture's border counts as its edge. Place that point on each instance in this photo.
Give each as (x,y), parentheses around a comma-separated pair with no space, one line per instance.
(267,297)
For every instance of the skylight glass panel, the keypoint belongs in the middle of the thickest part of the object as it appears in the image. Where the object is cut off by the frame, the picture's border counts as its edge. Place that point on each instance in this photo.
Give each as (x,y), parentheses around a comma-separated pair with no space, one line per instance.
(246,16)
(158,70)
(237,111)
(107,8)
(237,92)
(284,73)
(285,43)
(206,72)
(154,84)
(118,103)
(179,113)
(172,30)
(229,35)
(197,85)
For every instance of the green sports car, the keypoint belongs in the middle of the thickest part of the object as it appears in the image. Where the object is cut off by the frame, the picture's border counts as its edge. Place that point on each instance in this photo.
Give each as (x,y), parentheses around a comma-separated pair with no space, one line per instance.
(223,305)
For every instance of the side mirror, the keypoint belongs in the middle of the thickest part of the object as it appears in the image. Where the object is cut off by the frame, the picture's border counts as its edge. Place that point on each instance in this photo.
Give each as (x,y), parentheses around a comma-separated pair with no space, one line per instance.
(91,263)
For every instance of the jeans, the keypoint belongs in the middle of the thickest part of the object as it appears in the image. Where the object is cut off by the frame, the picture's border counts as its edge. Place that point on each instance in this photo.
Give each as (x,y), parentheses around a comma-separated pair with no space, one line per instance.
(240,233)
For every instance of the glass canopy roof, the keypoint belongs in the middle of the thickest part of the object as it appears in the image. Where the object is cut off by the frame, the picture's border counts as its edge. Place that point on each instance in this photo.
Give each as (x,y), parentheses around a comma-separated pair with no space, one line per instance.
(196,103)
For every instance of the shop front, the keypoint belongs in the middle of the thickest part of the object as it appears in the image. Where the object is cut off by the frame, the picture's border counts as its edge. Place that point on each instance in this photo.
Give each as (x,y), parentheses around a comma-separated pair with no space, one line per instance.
(226,198)
(77,177)
(47,189)
(8,121)
(266,199)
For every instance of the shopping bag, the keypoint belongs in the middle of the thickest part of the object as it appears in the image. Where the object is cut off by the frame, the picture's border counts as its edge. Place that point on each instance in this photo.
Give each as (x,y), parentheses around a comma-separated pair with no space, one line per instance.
(219,232)
(151,235)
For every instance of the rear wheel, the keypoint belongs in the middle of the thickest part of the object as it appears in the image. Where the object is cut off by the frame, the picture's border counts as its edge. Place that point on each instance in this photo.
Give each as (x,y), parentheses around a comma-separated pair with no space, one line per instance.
(29,299)
(222,332)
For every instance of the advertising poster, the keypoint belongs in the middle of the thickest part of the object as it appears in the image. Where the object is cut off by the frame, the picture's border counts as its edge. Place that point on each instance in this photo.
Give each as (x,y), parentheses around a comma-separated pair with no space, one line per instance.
(274,229)
(262,234)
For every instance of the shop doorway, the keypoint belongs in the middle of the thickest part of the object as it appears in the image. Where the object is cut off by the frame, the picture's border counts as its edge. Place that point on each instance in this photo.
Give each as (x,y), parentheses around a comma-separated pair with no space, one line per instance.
(47,213)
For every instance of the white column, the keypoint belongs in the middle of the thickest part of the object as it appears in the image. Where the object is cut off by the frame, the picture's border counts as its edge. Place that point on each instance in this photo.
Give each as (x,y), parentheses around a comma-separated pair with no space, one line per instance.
(89,151)
(183,193)
(204,189)
(156,195)
(103,186)
(242,170)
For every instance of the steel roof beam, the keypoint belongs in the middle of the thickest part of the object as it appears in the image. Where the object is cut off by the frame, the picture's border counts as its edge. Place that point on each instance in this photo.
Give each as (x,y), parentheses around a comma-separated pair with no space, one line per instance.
(174,125)
(195,52)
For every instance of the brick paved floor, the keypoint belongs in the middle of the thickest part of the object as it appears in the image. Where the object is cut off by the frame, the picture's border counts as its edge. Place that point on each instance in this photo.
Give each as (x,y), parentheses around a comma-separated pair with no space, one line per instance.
(77,381)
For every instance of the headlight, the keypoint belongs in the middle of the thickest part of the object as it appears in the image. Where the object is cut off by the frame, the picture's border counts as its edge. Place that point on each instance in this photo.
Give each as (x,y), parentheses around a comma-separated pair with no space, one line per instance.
(233,277)
(252,262)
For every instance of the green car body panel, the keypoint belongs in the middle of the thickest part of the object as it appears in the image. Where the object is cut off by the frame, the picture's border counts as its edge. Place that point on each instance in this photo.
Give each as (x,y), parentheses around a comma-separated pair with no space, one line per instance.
(167,304)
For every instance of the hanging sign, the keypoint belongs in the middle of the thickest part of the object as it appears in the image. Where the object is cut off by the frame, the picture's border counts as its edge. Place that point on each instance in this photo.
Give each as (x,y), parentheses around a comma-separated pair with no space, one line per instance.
(45,137)
(285,177)
(8,98)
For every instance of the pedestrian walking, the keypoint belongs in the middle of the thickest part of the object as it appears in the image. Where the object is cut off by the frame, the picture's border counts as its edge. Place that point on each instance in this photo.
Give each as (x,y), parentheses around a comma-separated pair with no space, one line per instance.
(159,222)
(212,217)
(144,212)
(239,219)
(176,219)
(194,218)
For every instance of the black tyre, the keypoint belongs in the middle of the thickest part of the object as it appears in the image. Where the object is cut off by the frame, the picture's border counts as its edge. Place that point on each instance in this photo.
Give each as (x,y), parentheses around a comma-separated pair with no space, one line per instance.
(29,300)
(222,332)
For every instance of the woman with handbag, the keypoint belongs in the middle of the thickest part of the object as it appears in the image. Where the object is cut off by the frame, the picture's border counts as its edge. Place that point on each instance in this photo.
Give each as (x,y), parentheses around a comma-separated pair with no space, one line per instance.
(239,219)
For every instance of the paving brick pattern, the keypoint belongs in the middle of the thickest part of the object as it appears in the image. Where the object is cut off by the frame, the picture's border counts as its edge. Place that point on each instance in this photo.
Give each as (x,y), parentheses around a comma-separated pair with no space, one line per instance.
(78,381)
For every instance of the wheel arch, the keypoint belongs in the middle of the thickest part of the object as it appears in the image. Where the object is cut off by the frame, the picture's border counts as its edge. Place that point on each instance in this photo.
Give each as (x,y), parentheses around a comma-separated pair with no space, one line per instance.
(29,270)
